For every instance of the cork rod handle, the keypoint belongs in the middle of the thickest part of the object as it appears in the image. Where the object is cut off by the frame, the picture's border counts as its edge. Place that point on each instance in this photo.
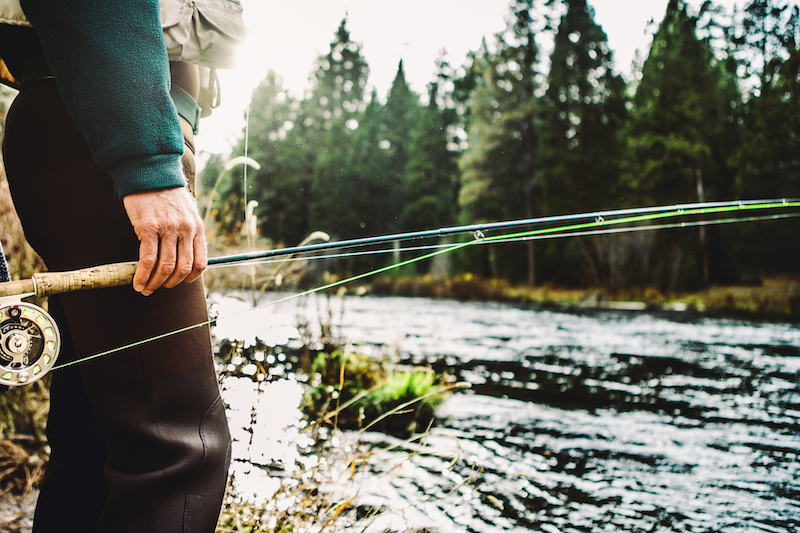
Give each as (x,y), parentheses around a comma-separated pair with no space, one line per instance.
(114,275)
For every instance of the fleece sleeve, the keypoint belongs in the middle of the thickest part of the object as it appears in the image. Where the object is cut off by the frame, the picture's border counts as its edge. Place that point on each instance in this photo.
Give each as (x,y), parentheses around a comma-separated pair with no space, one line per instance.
(111,68)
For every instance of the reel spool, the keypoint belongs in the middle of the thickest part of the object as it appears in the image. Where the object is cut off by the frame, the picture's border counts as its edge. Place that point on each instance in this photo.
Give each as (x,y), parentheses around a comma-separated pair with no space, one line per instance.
(29,343)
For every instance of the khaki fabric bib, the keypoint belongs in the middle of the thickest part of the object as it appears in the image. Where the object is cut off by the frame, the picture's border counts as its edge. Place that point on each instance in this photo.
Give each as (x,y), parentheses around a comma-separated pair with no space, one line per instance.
(201,32)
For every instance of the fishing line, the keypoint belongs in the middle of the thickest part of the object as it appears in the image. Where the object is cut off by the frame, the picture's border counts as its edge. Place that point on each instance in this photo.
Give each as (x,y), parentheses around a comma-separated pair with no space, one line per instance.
(651,227)
(626,214)
(570,230)
(274,302)
(602,221)
(608,231)
(598,220)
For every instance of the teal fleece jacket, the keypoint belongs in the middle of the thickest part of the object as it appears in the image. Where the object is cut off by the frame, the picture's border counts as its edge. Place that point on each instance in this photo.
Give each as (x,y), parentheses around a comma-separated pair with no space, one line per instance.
(110,64)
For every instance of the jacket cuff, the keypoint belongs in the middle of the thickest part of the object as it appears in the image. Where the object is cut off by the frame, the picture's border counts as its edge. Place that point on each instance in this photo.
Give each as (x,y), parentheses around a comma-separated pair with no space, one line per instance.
(146,174)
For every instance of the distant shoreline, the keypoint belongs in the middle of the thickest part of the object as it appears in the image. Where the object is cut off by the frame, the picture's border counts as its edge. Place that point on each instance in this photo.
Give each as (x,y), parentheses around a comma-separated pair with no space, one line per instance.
(774,299)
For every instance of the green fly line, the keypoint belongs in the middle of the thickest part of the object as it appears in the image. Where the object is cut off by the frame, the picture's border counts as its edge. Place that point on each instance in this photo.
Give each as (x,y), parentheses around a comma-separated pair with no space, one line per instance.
(597,226)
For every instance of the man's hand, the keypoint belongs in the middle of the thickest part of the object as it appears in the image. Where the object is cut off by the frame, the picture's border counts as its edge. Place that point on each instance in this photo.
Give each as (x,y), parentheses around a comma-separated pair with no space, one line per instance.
(172,244)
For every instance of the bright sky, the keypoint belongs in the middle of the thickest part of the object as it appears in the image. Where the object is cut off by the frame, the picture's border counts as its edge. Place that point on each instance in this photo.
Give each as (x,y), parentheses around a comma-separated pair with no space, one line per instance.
(287,37)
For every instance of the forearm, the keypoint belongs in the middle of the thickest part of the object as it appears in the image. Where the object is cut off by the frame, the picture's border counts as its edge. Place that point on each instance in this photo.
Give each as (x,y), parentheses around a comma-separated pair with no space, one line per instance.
(111,68)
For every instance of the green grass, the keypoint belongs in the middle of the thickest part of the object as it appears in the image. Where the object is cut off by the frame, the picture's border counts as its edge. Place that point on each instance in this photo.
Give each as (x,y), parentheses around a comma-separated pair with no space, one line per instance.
(352,390)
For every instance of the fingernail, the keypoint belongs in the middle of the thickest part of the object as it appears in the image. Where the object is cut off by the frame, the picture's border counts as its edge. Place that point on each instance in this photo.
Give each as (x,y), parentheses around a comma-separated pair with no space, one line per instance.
(147,293)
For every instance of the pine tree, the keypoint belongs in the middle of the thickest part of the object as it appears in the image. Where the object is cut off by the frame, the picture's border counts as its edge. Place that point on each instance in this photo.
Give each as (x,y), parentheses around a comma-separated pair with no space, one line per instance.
(331,112)
(340,78)
(369,160)
(584,112)
(582,144)
(334,208)
(281,186)
(432,172)
(769,160)
(276,140)
(400,116)
(500,176)
(676,138)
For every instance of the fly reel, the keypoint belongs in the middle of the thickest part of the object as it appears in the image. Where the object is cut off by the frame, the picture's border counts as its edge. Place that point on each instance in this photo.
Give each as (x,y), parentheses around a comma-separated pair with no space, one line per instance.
(29,342)
(29,337)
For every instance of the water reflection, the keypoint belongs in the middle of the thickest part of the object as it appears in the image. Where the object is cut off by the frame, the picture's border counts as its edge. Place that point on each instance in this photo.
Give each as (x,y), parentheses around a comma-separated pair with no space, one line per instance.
(266,425)
(575,422)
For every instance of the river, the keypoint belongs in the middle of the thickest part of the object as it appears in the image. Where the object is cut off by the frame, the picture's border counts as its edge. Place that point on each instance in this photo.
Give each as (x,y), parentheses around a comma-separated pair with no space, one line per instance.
(575,421)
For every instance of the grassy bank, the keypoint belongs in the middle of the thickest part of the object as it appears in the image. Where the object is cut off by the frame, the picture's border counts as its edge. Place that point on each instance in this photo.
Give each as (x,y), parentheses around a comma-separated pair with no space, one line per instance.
(774,299)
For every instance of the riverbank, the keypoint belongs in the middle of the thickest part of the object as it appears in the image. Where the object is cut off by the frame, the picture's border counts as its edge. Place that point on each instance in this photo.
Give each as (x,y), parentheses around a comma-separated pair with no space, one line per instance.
(773,299)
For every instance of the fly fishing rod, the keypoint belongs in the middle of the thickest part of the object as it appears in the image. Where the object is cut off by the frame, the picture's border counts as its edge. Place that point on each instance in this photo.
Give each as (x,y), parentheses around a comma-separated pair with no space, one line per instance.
(30,340)
(649,213)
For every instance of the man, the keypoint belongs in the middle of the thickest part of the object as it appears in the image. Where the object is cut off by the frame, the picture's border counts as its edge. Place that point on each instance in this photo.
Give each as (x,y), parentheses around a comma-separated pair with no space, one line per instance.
(92,150)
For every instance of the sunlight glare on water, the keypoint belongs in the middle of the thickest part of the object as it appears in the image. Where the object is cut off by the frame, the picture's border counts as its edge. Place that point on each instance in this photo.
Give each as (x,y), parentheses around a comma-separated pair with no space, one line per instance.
(264,418)
(266,428)
(236,319)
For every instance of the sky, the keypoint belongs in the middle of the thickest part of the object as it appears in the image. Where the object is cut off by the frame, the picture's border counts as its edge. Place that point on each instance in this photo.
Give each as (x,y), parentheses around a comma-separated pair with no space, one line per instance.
(287,37)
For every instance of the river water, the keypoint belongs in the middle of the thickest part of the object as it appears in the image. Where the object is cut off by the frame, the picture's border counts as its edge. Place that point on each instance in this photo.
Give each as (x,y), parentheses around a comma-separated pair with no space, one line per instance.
(575,421)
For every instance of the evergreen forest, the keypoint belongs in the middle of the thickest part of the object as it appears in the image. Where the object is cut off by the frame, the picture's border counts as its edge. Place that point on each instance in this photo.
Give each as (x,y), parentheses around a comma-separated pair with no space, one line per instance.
(711,113)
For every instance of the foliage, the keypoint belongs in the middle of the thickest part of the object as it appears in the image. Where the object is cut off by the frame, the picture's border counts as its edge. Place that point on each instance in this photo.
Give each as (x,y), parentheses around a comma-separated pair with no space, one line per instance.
(584,112)
(767,156)
(22,464)
(678,135)
(676,114)
(23,410)
(710,115)
(501,168)
(432,172)
(777,299)
(22,260)
(361,391)
(23,448)
(369,161)
(335,104)
(282,184)
(388,185)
